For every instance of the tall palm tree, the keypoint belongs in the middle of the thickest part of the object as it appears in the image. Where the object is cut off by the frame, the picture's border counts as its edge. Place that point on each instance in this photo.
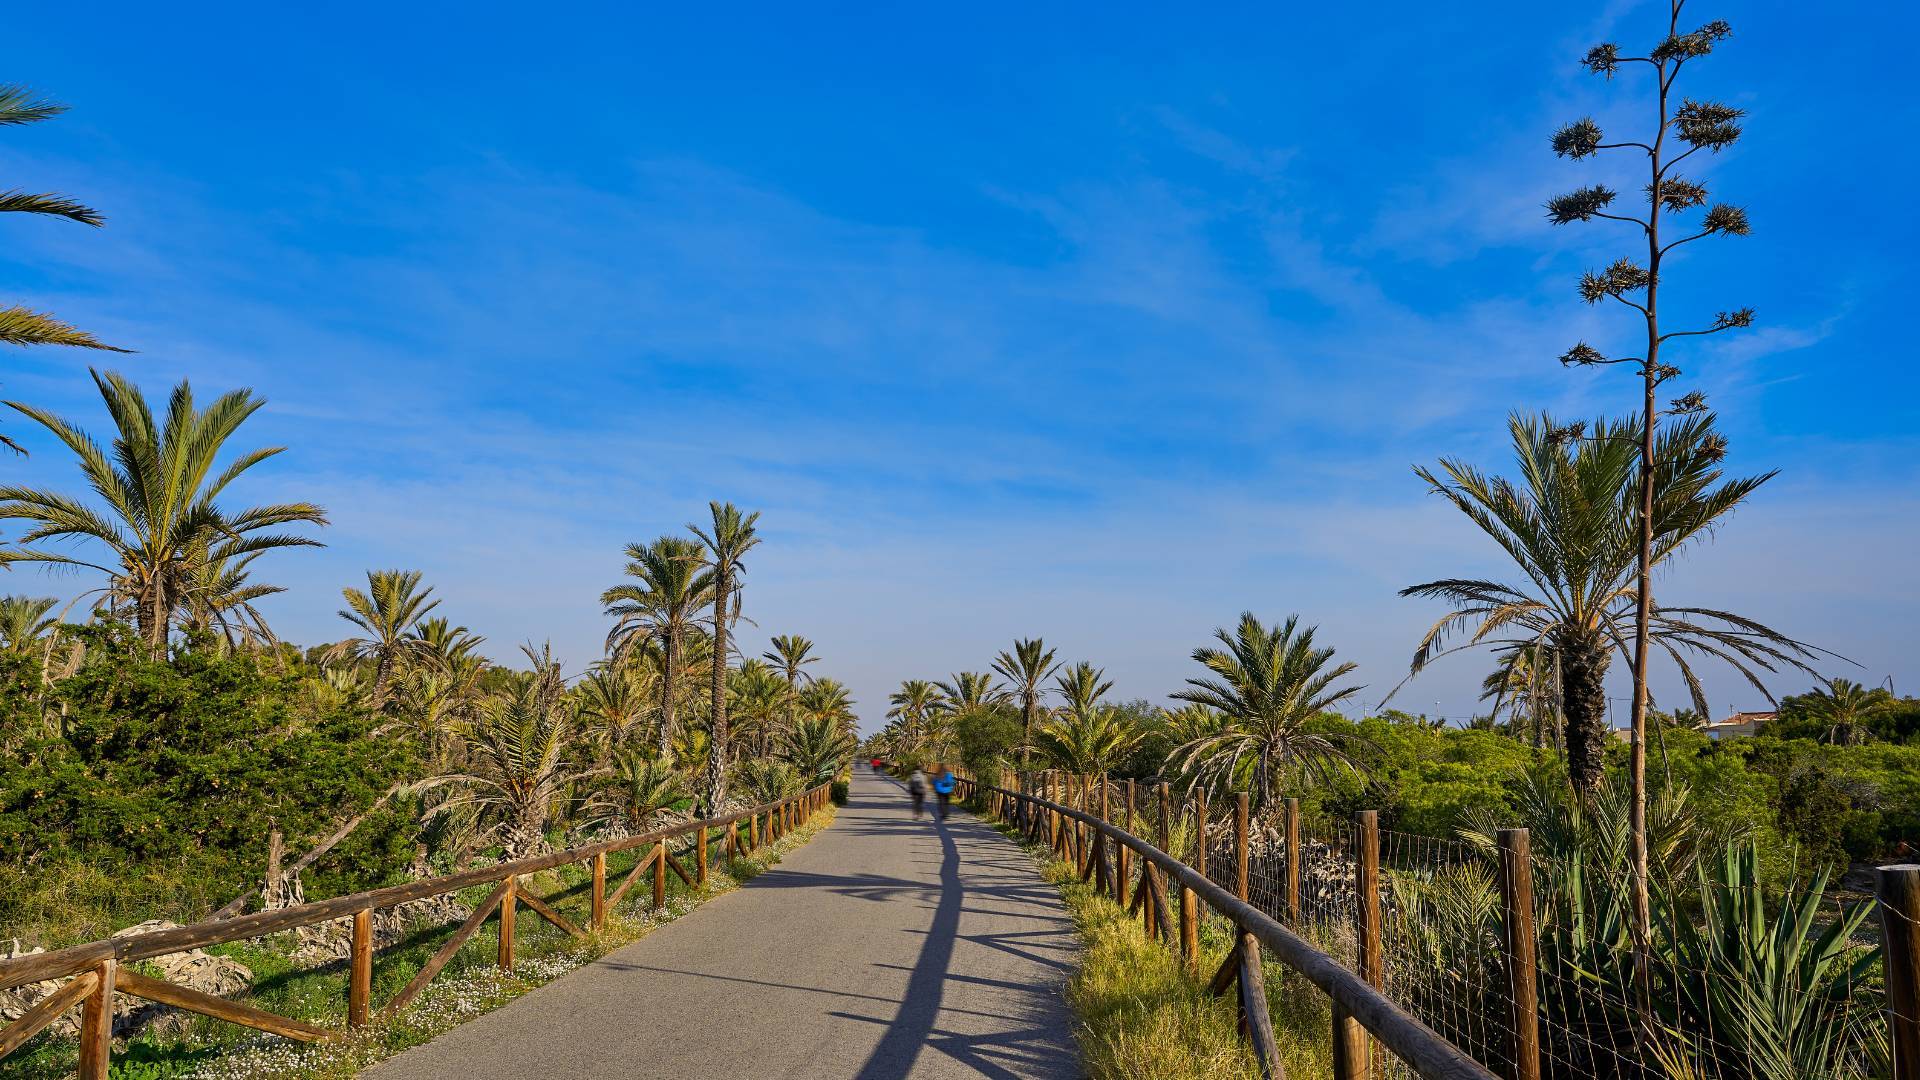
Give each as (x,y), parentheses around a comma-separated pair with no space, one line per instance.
(23,622)
(669,587)
(1570,526)
(1269,683)
(1082,686)
(161,523)
(1029,664)
(791,653)
(393,603)
(728,540)
(19,325)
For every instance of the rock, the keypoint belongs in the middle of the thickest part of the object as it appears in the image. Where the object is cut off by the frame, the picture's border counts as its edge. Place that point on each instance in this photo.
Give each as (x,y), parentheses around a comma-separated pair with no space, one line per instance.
(195,969)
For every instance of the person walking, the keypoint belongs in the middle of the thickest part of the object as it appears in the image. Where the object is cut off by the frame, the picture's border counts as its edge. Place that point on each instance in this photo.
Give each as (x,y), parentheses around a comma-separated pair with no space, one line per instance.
(943,784)
(917,787)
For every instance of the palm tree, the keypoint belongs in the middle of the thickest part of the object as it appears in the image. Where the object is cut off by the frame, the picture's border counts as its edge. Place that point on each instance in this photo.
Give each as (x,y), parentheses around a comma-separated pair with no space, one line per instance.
(1845,707)
(219,600)
(392,605)
(613,698)
(19,325)
(1570,526)
(644,785)
(670,587)
(1269,683)
(1088,740)
(756,699)
(817,749)
(1527,685)
(1029,664)
(23,622)
(830,699)
(791,653)
(1082,686)
(728,542)
(160,523)
(970,693)
(917,706)
(452,648)
(517,770)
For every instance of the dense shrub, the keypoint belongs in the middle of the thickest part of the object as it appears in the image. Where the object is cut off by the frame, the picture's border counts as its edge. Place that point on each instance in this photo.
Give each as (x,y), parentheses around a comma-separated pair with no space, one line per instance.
(187,764)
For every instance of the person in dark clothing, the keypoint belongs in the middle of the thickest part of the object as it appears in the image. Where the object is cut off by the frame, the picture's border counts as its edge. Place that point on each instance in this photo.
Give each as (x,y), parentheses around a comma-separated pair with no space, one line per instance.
(917,787)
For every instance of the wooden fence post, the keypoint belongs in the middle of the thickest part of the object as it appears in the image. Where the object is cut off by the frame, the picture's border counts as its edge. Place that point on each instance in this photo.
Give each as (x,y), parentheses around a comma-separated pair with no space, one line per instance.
(700,864)
(1124,855)
(1523,1001)
(503,958)
(1898,891)
(659,875)
(1293,861)
(1367,903)
(1189,901)
(360,977)
(753,831)
(598,919)
(96,1025)
(1240,853)
(1349,1046)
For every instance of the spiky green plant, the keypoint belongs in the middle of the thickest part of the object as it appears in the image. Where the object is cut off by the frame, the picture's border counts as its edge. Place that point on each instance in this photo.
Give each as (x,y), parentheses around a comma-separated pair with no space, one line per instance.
(1783,992)
(517,771)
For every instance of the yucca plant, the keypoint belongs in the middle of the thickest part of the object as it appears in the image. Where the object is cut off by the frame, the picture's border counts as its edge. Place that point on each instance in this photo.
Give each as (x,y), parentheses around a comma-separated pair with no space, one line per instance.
(1779,990)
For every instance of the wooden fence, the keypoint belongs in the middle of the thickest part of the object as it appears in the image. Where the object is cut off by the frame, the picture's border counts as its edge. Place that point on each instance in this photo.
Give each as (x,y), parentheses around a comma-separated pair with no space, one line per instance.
(96,971)
(1106,854)
(1103,847)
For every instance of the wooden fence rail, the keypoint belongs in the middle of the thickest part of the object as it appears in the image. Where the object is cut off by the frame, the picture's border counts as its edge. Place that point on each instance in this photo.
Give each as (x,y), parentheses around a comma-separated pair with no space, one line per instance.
(95,970)
(1363,1016)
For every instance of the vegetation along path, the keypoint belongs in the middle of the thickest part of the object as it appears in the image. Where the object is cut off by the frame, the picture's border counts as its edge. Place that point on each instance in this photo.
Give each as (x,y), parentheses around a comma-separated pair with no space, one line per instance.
(886,947)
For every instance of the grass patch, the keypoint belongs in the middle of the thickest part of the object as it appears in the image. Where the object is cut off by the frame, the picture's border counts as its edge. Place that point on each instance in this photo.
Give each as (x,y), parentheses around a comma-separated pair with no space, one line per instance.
(1141,1013)
(469,986)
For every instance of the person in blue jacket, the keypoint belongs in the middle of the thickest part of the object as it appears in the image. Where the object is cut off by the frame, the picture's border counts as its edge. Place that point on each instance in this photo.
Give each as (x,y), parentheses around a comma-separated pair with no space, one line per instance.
(943,783)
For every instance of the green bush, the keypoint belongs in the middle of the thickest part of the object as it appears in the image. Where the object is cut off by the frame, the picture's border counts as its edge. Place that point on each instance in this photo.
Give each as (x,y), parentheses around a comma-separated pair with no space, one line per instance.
(838,792)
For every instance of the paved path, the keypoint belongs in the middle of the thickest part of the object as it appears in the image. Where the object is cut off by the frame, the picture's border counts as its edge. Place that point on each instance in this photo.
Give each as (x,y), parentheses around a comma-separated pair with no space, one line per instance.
(885,948)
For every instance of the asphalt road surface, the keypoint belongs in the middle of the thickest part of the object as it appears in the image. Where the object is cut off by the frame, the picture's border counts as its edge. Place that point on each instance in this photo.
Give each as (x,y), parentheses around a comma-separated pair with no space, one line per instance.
(885,948)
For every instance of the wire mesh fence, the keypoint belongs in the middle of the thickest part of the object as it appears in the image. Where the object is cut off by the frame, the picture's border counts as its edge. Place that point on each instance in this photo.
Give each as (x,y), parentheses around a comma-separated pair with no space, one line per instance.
(1737,980)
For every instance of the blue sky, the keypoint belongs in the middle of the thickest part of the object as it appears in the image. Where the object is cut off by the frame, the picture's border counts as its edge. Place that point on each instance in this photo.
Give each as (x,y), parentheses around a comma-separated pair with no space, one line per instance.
(1103,324)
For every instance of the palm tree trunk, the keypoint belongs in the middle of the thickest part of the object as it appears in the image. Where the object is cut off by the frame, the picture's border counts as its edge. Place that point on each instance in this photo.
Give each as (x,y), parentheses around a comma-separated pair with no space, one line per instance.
(669,683)
(717,740)
(1583,701)
(382,674)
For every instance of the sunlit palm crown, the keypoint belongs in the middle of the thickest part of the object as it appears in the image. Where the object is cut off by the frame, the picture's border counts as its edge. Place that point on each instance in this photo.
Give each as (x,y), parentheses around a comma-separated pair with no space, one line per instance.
(161,525)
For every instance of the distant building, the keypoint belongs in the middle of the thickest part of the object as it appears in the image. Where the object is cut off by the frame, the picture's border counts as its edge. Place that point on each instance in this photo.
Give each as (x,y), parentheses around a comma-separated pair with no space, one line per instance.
(1740,724)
